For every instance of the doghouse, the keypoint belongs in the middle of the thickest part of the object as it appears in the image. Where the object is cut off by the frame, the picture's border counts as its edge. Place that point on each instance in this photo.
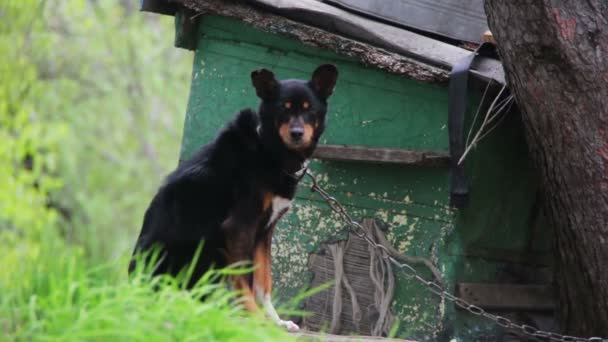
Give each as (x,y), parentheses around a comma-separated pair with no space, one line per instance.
(386,157)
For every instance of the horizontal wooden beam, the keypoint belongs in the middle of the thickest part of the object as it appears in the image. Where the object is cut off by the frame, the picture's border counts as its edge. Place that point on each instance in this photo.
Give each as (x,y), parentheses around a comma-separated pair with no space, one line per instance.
(512,297)
(381,155)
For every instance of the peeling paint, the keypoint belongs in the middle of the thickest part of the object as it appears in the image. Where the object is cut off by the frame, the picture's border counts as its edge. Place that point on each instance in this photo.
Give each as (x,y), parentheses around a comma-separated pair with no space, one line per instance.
(399,220)
(403,246)
(382,214)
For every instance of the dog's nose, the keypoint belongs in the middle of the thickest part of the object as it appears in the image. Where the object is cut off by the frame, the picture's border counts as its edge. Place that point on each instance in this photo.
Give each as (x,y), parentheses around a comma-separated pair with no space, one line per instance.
(296,133)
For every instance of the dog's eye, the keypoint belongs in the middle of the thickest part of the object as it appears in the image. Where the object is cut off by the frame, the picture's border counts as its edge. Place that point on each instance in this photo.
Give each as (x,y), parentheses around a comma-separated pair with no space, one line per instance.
(305,105)
(287,104)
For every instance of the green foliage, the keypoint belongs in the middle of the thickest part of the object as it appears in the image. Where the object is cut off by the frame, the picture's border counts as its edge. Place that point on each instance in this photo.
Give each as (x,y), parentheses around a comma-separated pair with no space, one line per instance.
(90,121)
(28,164)
(92,97)
(113,75)
(29,148)
(102,92)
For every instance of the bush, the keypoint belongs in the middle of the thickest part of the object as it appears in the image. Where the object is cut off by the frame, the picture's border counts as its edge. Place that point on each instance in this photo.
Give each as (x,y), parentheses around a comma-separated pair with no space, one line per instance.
(92,96)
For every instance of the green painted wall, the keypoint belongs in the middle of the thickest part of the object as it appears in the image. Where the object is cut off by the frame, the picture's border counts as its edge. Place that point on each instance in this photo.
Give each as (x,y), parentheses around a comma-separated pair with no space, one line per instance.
(372,108)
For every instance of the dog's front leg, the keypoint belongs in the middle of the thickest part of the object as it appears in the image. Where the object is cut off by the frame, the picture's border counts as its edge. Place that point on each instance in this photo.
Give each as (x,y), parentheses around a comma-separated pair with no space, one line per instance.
(239,248)
(262,281)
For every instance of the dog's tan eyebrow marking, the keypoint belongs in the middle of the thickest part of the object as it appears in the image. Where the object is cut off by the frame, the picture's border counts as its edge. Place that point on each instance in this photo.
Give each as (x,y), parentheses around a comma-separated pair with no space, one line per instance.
(287,104)
(305,104)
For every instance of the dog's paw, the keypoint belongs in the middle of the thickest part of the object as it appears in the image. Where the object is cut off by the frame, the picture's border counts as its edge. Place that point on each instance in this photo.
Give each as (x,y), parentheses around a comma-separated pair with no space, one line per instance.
(289,325)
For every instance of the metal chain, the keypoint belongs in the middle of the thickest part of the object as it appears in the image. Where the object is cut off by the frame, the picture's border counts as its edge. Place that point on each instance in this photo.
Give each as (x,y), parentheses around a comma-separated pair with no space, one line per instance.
(357,229)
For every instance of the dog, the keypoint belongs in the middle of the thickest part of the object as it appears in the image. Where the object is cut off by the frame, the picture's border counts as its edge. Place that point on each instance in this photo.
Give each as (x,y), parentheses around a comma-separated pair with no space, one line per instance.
(233,191)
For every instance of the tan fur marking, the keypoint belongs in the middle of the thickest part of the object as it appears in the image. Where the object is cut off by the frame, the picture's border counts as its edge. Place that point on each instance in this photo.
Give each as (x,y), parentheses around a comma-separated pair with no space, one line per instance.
(240,284)
(287,104)
(261,275)
(284,133)
(305,105)
(238,248)
(267,201)
(308,132)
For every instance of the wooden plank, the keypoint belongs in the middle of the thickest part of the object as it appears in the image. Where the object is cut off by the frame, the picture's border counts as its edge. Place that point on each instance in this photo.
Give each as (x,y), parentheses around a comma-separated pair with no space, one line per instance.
(310,336)
(186,28)
(514,297)
(381,155)
(505,255)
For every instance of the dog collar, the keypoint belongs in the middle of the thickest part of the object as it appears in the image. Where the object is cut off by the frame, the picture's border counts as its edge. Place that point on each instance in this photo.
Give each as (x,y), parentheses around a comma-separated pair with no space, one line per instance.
(300,173)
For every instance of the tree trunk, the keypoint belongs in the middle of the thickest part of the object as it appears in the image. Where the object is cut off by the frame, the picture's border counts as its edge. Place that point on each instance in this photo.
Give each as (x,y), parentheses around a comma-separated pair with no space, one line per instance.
(555,54)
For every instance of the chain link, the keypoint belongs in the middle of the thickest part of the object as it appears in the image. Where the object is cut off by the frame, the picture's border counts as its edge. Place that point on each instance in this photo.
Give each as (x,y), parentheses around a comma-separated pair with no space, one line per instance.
(410,272)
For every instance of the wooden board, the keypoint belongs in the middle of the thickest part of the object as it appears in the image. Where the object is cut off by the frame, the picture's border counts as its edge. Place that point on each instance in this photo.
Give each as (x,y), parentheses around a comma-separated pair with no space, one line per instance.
(310,336)
(381,155)
(504,255)
(517,297)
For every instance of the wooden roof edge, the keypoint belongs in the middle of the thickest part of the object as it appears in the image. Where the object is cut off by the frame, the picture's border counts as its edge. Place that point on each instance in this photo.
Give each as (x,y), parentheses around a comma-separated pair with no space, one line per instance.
(367,54)
(395,50)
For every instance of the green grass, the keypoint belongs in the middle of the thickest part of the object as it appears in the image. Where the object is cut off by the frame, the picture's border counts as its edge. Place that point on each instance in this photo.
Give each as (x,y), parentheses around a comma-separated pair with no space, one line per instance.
(48,293)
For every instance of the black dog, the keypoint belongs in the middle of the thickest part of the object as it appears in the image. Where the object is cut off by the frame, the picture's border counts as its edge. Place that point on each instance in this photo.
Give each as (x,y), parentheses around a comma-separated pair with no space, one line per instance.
(234,190)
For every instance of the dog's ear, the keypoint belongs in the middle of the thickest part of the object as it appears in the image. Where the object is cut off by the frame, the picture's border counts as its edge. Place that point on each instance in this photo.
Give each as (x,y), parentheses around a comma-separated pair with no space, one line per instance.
(324,80)
(266,86)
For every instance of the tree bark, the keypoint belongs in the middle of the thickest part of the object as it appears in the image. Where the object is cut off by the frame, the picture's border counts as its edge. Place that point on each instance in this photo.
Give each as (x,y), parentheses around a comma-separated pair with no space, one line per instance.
(555,55)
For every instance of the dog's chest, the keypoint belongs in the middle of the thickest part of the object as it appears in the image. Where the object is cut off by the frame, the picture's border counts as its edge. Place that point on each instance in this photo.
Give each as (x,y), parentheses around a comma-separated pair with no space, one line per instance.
(279,206)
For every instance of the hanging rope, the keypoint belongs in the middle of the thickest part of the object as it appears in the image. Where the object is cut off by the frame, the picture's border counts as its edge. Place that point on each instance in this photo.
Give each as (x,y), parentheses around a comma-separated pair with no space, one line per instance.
(337,252)
(381,275)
